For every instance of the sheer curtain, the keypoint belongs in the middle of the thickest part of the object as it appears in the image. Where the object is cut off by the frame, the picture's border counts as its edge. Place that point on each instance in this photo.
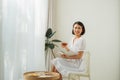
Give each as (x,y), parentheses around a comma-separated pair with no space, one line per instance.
(1,55)
(23,29)
(51,9)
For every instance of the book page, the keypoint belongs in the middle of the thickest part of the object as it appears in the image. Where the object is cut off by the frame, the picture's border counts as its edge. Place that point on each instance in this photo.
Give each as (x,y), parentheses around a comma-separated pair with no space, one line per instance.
(63,51)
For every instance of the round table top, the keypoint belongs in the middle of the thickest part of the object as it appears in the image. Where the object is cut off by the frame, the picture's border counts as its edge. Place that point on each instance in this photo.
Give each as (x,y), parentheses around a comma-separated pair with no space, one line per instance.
(41,75)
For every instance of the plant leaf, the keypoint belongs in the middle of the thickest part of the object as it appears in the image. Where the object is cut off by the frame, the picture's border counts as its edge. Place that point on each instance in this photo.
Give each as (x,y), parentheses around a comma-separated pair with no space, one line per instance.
(56,40)
(48,33)
(51,34)
(51,46)
(46,46)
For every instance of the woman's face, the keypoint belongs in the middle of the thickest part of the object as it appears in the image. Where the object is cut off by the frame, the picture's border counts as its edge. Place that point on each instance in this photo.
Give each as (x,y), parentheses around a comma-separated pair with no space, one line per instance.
(77,30)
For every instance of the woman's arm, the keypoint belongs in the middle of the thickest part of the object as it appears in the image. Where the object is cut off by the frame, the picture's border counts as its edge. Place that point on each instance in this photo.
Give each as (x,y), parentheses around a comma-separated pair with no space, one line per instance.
(77,56)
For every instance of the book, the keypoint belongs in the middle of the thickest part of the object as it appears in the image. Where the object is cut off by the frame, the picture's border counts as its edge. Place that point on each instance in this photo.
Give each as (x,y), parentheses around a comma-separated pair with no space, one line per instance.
(63,51)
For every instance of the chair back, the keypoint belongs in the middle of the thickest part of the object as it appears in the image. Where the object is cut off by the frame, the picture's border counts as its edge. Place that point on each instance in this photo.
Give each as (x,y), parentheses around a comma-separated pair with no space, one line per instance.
(86,61)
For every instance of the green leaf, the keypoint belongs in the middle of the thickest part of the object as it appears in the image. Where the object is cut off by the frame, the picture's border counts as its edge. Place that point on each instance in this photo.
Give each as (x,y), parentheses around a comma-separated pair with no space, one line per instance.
(51,46)
(56,40)
(51,34)
(48,33)
(46,46)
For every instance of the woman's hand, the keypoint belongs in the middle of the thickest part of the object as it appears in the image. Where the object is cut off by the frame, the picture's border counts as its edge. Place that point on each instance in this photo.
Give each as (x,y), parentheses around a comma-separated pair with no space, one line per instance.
(64,45)
(77,56)
(64,55)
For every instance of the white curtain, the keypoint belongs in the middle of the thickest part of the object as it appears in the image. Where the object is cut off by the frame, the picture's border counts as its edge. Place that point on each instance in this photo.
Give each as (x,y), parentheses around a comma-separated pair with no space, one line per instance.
(1,55)
(49,57)
(24,23)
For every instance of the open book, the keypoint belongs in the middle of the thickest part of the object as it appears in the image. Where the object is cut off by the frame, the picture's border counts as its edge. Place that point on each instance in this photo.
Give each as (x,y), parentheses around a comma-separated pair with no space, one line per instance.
(63,51)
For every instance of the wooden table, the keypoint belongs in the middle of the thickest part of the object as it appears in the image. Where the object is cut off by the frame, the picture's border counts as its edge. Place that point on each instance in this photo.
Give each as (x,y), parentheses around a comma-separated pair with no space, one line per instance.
(41,75)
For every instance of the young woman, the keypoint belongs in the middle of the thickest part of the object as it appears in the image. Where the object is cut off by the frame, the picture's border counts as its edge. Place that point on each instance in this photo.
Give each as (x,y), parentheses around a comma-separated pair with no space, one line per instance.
(71,63)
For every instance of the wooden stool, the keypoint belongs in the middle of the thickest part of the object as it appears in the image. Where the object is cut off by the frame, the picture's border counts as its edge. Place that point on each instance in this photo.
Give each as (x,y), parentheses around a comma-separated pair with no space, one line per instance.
(41,75)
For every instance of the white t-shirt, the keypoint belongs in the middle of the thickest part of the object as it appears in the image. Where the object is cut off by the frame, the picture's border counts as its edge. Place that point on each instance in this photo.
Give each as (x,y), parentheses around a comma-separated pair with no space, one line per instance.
(78,45)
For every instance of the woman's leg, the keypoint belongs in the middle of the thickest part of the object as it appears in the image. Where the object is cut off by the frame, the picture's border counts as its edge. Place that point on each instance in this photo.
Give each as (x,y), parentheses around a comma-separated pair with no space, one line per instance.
(55,70)
(60,77)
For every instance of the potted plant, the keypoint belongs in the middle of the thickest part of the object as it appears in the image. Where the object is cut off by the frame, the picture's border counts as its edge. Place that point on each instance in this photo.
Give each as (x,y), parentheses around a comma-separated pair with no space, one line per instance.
(50,44)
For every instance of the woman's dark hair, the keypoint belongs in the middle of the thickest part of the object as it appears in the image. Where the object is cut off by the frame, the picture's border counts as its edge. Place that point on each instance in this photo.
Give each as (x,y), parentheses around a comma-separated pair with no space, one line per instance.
(81,24)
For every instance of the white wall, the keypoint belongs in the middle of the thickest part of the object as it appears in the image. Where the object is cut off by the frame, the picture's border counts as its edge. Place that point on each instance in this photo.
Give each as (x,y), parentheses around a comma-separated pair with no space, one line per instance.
(101,19)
